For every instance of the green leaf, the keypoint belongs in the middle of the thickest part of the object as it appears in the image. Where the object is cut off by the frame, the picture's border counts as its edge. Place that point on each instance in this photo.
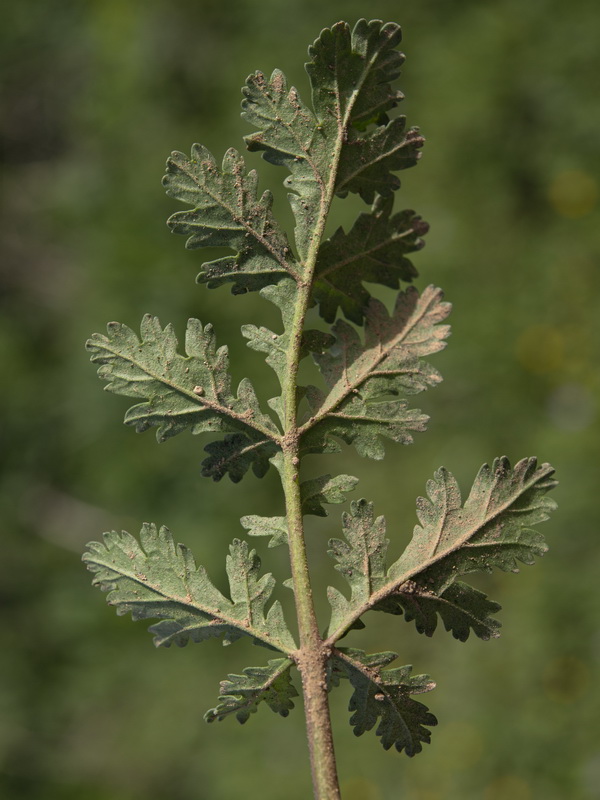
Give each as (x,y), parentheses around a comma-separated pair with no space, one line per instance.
(157,579)
(329,150)
(228,213)
(278,346)
(275,527)
(461,608)
(289,136)
(186,392)
(242,694)
(325,489)
(361,377)
(363,426)
(361,559)
(366,164)
(314,494)
(351,72)
(492,529)
(383,695)
(374,250)
(235,454)
(314,341)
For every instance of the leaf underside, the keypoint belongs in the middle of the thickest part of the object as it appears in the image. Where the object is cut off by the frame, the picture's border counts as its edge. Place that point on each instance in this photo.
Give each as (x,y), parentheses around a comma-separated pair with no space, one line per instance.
(492,529)
(275,527)
(191,392)
(347,130)
(368,380)
(242,694)
(325,489)
(158,579)
(346,141)
(373,251)
(227,212)
(383,696)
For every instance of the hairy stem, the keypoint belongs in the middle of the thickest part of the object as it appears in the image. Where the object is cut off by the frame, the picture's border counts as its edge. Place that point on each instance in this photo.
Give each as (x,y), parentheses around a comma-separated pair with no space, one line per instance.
(312,656)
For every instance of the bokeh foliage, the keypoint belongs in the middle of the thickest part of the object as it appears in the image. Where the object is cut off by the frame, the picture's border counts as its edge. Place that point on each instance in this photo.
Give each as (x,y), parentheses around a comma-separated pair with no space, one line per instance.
(94,96)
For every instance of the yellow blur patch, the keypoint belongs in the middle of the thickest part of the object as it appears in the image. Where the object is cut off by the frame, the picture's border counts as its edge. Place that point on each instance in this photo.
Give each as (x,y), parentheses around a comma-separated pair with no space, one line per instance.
(566,679)
(463,746)
(540,349)
(424,794)
(508,787)
(573,193)
(359,789)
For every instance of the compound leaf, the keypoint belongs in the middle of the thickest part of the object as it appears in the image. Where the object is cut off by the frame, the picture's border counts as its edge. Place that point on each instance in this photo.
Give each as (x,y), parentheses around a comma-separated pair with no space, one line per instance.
(228,213)
(242,694)
(361,377)
(492,529)
(157,579)
(384,695)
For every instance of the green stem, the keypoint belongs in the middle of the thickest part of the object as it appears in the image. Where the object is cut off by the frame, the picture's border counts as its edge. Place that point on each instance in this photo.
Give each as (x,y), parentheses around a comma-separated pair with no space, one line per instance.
(312,656)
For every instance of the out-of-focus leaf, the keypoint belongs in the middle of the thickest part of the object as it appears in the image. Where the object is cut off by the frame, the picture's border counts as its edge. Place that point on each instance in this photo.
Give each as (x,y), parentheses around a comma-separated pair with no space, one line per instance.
(157,579)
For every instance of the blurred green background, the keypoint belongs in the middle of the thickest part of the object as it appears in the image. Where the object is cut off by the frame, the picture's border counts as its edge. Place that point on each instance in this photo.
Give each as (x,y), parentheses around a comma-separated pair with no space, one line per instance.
(95,94)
